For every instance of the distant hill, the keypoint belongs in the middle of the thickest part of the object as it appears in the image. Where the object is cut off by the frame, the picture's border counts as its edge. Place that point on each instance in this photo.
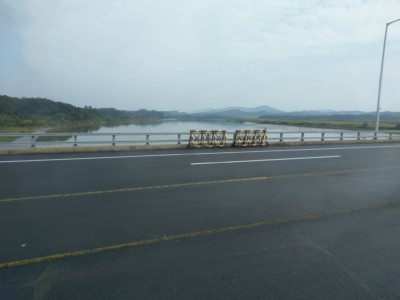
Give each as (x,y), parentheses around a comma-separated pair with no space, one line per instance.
(326,112)
(339,115)
(174,114)
(268,112)
(40,112)
(238,112)
(258,109)
(245,111)
(44,112)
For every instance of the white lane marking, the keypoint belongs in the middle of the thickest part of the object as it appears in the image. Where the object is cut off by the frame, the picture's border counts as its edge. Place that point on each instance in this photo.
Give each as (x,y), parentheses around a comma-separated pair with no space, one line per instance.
(196,154)
(262,160)
(84,158)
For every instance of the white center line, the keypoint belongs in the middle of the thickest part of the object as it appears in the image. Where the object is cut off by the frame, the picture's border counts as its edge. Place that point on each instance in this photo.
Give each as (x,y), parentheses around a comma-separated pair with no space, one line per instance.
(263,160)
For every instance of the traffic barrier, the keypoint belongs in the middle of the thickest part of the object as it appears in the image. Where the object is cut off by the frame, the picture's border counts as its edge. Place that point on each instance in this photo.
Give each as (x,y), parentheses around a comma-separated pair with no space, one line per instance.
(207,138)
(244,138)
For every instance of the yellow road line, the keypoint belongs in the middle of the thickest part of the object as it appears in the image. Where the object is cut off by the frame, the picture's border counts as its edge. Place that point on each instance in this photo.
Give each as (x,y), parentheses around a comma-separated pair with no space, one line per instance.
(166,186)
(195,234)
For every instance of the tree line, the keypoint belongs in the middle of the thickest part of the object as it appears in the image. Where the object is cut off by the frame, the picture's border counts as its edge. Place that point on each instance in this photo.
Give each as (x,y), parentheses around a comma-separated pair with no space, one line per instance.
(32,112)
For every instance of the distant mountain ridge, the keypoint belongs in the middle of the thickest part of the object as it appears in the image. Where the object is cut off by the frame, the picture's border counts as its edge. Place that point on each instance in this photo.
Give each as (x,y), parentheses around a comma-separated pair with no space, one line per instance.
(265,112)
(44,112)
(328,112)
(265,109)
(257,109)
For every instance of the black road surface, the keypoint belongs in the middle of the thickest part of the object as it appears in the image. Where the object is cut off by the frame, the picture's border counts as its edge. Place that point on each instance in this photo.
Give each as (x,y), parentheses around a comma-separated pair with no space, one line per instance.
(311,222)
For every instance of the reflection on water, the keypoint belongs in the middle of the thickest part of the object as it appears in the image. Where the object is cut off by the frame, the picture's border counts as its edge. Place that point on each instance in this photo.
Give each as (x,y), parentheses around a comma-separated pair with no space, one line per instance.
(87,128)
(168,126)
(174,126)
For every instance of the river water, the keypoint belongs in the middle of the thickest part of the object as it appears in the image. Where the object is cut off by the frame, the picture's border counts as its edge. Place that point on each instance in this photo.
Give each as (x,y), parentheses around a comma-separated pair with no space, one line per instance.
(167,132)
(174,131)
(175,126)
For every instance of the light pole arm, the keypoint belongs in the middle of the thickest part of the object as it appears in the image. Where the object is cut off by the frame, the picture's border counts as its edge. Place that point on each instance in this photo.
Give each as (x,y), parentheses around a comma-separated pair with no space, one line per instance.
(392,22)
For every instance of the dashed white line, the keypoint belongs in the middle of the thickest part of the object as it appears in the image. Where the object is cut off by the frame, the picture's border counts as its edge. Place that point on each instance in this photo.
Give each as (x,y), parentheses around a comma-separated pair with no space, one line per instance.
(263,160)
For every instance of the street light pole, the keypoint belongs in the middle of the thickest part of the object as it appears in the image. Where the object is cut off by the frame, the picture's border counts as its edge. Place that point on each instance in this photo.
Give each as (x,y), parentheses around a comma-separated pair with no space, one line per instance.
(380,77)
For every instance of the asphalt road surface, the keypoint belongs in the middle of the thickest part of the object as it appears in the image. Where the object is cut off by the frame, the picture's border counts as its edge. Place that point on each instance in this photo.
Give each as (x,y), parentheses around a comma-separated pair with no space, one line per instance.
(310,222)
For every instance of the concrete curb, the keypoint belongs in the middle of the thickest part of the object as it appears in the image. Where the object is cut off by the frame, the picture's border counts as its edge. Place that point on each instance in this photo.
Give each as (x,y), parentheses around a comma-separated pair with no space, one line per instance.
(172,147)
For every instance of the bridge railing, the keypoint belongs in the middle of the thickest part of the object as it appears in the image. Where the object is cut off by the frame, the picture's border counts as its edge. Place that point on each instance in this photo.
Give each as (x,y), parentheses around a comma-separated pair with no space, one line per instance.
(24,140)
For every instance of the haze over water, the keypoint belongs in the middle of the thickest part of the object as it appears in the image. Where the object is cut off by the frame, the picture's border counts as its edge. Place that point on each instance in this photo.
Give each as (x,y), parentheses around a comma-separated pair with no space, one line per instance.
(174,126)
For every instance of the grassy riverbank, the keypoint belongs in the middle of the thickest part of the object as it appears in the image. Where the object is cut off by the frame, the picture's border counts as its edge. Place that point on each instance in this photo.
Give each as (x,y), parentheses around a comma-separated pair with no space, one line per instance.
(70,127)
(329,124)
(15,129)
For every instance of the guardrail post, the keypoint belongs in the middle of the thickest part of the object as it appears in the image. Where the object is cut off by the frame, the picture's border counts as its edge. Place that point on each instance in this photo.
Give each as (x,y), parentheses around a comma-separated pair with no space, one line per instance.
(32,141)
(390,135)
(341,136)
(375,135)
(75,140)
(113,139)
(179,139)
(322,136)
(281,137)
(302,136)
(358,136)
(147,139)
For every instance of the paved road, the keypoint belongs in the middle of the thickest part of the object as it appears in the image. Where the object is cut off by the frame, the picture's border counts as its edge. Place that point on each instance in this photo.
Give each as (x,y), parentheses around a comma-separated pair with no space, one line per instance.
(307,222)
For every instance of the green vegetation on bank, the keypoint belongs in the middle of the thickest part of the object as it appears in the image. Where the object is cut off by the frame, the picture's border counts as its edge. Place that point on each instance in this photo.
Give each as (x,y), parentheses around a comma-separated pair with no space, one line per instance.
(330,124)
(28,114)
(7,139)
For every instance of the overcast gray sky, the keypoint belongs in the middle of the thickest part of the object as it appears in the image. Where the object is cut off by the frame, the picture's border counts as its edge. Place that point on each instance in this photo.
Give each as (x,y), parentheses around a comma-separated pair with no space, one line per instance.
(189,55)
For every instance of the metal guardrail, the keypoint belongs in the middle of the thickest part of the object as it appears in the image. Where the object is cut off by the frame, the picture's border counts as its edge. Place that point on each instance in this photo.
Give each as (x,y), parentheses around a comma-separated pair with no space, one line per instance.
(123,139)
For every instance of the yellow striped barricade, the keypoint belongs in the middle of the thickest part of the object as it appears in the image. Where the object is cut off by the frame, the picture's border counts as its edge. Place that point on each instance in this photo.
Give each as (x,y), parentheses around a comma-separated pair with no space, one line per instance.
(207,138)
(218,138)
(245,138)
(195,139)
